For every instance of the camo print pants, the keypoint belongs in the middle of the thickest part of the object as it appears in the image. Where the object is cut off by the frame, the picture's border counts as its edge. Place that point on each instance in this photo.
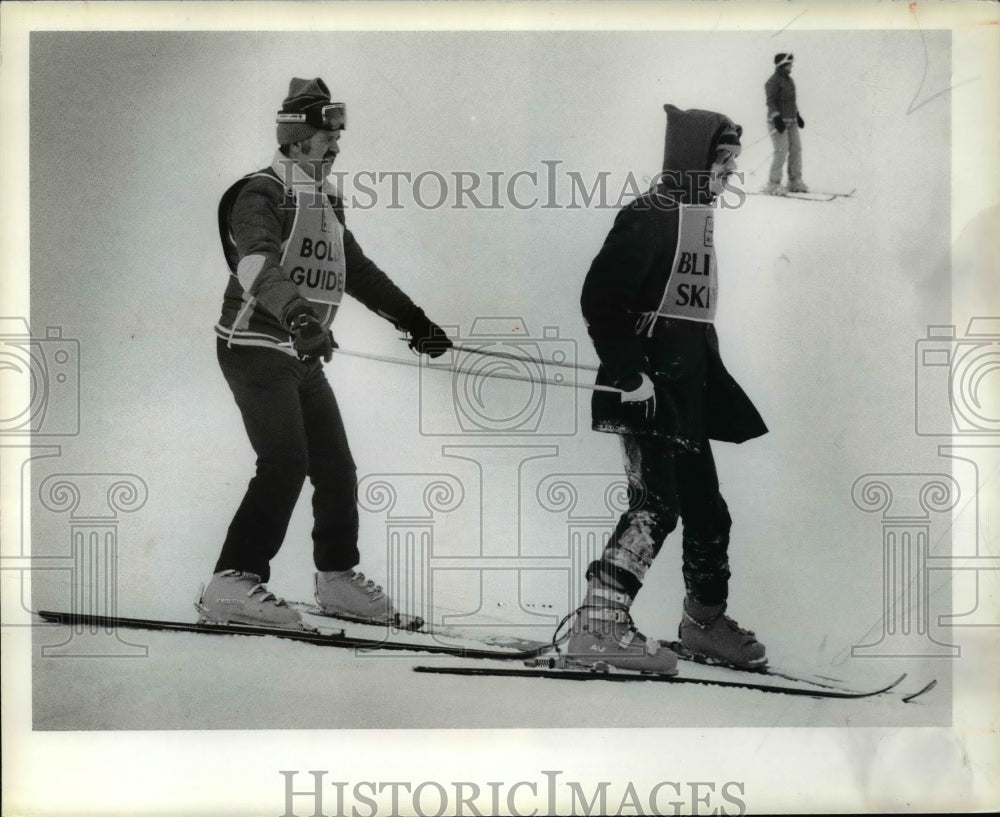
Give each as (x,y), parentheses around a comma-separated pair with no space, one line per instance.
(667,483)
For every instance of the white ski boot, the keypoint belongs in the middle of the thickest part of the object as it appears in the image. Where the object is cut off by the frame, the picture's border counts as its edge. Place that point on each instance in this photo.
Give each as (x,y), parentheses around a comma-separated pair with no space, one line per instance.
(349,595)
(773,189)
(237,597)
(603,633)
(707,633)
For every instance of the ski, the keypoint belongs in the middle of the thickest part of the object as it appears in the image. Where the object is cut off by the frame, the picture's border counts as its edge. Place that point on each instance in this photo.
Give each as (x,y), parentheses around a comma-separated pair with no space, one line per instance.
(323,638)
(810,196)
(564,672)
(927,688)
(816,680)
(418,626)
(537,664)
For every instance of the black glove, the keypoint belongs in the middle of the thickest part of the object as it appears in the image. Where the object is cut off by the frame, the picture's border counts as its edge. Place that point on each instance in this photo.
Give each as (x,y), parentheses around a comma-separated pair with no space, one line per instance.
(310,338)
(426,337)
(779,123)
(800,120)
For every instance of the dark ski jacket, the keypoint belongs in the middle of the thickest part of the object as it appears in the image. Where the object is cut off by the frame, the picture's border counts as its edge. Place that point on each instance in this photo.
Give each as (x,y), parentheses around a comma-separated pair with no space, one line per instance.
(256,216)
(780,92)
(696,398)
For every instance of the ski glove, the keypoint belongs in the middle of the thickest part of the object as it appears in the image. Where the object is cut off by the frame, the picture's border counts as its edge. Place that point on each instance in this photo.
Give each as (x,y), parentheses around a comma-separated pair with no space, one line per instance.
(638,389)
(310,338)
(779,123)
(426,337)
(800,120)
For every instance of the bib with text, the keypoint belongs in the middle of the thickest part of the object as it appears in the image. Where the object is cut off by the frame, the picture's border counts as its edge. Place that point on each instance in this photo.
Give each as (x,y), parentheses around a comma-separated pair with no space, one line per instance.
(314,253)
(693,284)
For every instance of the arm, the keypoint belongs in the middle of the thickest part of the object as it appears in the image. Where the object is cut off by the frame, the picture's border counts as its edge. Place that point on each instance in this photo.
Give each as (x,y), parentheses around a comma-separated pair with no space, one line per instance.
(373,288)
(257,224)
(771,92)
(611,292)
(772,89)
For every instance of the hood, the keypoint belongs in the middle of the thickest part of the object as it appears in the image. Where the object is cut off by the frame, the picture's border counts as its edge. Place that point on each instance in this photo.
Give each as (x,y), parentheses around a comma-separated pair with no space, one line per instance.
(692,136)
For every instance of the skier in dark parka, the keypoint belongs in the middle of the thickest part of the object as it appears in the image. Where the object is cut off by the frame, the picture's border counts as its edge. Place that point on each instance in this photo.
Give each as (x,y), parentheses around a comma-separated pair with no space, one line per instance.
(649,302)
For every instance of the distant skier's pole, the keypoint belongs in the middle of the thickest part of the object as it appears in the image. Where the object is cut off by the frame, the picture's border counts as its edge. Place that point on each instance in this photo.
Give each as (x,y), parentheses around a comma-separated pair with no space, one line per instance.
(461,370)
(769,155)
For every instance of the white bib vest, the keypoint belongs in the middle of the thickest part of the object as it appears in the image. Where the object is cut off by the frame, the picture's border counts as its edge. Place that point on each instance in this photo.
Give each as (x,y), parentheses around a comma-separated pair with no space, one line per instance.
(313,255)
(692,289)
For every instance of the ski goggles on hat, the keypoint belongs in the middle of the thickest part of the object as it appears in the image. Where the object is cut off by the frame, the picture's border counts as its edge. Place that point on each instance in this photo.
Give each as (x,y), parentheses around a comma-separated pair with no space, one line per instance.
(787,60)
(320,115)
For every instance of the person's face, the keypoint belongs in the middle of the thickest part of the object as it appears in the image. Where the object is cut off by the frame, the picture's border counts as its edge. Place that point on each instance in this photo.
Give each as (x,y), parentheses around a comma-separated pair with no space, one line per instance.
(723,166)
(785,69)
(317,154)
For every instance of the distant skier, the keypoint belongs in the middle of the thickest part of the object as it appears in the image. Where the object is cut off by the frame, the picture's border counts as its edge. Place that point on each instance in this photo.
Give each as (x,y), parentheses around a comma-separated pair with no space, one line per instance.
(290,260)
(785,122)
(649,303)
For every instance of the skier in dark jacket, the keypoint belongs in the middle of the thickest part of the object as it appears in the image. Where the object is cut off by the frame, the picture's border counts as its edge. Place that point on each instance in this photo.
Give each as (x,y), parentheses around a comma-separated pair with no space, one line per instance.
(649,303)
(785,122)
(291,259)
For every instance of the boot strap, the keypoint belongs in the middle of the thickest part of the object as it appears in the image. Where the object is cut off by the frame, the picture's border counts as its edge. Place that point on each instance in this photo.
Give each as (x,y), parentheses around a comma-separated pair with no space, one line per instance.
(609,595)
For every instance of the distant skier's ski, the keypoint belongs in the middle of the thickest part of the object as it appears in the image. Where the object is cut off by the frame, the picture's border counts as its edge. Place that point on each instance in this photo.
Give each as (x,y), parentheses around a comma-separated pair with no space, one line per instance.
(566,673)
(812,195)
(325,638)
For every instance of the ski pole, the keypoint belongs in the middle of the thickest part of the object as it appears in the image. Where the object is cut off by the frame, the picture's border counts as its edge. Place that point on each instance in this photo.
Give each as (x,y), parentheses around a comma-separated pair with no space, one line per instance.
(461,370)
(768,157)
(524,359)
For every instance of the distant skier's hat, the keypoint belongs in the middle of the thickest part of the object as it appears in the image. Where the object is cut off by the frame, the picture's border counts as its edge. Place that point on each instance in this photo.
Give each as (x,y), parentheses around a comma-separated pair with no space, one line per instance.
(308,108)
(783,59)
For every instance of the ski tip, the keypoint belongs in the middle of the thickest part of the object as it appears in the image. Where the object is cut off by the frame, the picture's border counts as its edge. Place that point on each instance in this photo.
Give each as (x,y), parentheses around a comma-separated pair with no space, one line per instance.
(921,691)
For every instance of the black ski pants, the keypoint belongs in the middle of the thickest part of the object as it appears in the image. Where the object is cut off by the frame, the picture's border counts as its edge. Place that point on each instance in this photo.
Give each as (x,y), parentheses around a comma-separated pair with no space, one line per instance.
(294,425)
(666,483)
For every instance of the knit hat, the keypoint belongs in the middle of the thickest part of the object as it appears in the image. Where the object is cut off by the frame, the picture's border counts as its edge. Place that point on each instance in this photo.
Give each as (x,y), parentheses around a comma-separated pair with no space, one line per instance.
(783,59)
(307,109)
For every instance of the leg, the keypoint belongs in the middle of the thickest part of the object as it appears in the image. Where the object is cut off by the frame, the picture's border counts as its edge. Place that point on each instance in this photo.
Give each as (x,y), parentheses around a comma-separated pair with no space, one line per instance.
(651,516)
(705,629)
(333,475)
(779,141)
(794,154)
(705,561)
(604,630)
(340,591)
(264,383)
